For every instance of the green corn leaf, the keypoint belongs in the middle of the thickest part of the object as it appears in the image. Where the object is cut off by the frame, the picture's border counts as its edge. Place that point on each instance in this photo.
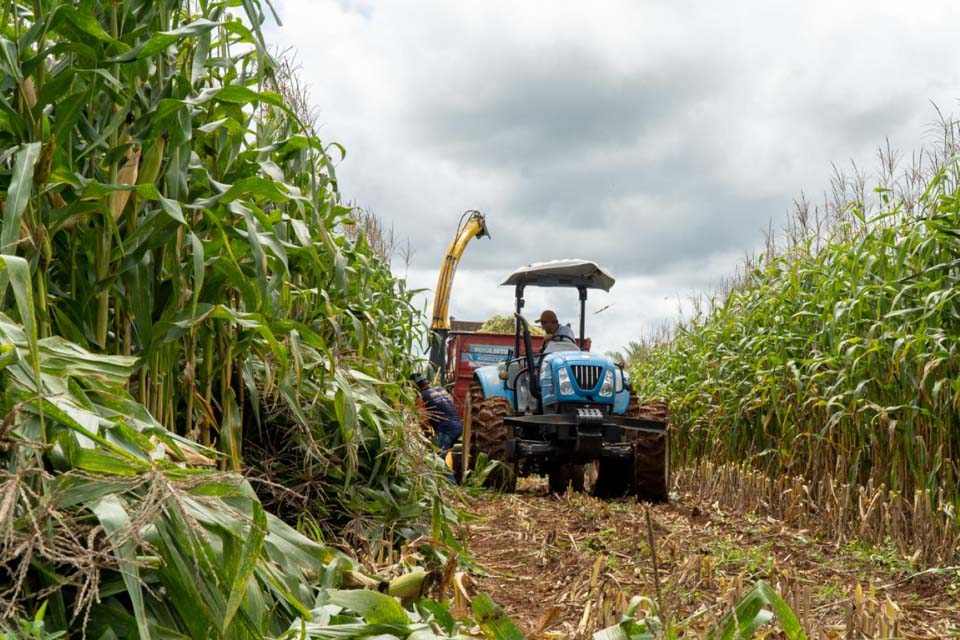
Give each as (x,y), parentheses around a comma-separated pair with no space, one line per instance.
(440,613)
(249,556)
(230,430)
(16,273)
(78,23)
(236,94)
(750,614)
(55,88)
(18,195)
(8,60)
(163,39)
(101,462)
(186,582)
(69,111)
(257,188)
(75,489)
(493,621)
(115,521)
(172,209)
(374,607)
(624,631)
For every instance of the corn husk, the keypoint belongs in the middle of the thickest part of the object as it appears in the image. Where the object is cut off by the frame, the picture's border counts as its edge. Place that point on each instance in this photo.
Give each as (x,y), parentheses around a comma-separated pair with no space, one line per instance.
(29,92)
(152,159)
(126,176)
(42,172)
(409,586)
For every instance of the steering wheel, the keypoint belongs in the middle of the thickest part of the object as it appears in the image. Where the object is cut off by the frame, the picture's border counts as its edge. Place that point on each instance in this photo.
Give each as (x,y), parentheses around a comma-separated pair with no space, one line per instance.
(528,356)
(558,338)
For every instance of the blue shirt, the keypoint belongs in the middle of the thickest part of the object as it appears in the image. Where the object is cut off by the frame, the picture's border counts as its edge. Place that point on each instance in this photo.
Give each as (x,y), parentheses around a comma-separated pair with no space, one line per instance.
(442,414)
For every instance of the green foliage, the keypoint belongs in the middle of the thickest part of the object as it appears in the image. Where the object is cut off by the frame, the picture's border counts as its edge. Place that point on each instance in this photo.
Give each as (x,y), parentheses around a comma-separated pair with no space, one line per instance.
(32,629)
(174,290)
(493,621)
(474,481)
(171,206)
(761,606)
(123,537)
(837,355)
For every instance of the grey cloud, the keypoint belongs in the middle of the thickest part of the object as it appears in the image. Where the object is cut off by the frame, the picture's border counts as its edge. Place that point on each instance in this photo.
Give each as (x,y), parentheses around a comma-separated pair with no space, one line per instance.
(554,107)
(631,244)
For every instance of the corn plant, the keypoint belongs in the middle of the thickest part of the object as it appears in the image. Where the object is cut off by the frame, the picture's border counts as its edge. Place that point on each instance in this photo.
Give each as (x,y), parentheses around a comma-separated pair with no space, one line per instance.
(103,520)
(176,292)
(174,208)
(836,356)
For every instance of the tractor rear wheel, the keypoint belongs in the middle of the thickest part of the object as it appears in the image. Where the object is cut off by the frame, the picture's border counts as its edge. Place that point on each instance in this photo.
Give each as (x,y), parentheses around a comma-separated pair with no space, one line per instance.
(651,467)
(645,472)
(487,435)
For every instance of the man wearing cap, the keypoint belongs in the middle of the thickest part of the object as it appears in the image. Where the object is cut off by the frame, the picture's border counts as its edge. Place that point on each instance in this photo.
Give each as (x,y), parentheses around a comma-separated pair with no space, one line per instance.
(548,320)
(441,414)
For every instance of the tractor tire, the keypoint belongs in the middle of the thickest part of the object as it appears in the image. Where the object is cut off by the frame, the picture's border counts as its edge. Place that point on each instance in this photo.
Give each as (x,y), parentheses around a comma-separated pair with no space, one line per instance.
(487,435)
(651,467)
(646,473)
(563,475)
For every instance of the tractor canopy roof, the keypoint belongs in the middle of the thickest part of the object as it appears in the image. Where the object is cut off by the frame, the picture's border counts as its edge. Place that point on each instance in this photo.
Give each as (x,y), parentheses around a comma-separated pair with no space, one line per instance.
(562,273)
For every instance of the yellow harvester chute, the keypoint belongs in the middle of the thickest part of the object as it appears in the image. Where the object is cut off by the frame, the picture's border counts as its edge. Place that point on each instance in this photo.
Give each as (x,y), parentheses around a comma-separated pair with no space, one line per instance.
(472,225)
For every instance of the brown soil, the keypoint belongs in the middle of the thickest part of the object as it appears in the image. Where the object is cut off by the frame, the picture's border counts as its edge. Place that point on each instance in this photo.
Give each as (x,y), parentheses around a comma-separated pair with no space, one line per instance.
(567,566)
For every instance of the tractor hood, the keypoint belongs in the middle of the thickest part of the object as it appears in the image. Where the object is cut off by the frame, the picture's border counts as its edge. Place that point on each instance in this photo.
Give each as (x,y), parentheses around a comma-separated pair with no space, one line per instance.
(562,273)
(577,357)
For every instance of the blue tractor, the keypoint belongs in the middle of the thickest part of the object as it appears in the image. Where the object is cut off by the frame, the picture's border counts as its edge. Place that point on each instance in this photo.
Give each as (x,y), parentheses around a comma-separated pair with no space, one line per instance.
(564,412)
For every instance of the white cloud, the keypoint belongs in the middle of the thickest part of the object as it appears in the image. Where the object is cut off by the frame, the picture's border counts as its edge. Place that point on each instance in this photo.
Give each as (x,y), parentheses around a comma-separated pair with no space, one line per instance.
(658,138)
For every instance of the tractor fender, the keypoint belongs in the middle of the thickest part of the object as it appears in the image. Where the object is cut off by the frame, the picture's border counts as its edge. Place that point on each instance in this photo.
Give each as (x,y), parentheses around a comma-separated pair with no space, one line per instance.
(489,379)
(621,402)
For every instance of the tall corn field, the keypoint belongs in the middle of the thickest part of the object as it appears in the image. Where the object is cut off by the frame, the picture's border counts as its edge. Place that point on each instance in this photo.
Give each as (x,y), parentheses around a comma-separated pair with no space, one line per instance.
(176,292)
(834,356)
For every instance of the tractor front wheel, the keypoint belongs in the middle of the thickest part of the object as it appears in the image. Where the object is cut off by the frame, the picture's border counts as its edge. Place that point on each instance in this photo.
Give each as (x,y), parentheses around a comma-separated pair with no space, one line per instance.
(488,436)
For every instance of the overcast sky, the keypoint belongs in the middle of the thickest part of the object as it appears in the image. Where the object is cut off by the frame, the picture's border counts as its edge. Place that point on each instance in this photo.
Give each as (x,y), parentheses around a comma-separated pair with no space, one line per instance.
(657,138)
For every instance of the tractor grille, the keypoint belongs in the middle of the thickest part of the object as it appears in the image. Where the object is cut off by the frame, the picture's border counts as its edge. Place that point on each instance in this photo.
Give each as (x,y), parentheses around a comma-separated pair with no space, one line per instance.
(586,375)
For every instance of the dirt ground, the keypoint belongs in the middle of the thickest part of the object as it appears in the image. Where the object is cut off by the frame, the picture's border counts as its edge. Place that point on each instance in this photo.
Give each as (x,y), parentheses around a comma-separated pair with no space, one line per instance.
(567,566)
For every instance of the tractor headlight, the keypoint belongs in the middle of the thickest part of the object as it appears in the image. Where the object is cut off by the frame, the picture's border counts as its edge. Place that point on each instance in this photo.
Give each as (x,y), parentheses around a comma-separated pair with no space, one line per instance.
(566,387)
(606,389)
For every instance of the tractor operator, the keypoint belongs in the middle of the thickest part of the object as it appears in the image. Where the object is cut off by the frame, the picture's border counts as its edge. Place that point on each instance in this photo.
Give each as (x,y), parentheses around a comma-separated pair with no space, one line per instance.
(441,414)
(548,320)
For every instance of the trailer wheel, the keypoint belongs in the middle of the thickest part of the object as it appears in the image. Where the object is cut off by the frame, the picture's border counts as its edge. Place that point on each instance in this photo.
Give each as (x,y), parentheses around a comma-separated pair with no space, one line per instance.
(561,476)
(488,435)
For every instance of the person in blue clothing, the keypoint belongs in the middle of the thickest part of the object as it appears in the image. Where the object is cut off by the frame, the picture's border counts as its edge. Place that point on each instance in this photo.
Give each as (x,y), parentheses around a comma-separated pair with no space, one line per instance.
(442,415)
